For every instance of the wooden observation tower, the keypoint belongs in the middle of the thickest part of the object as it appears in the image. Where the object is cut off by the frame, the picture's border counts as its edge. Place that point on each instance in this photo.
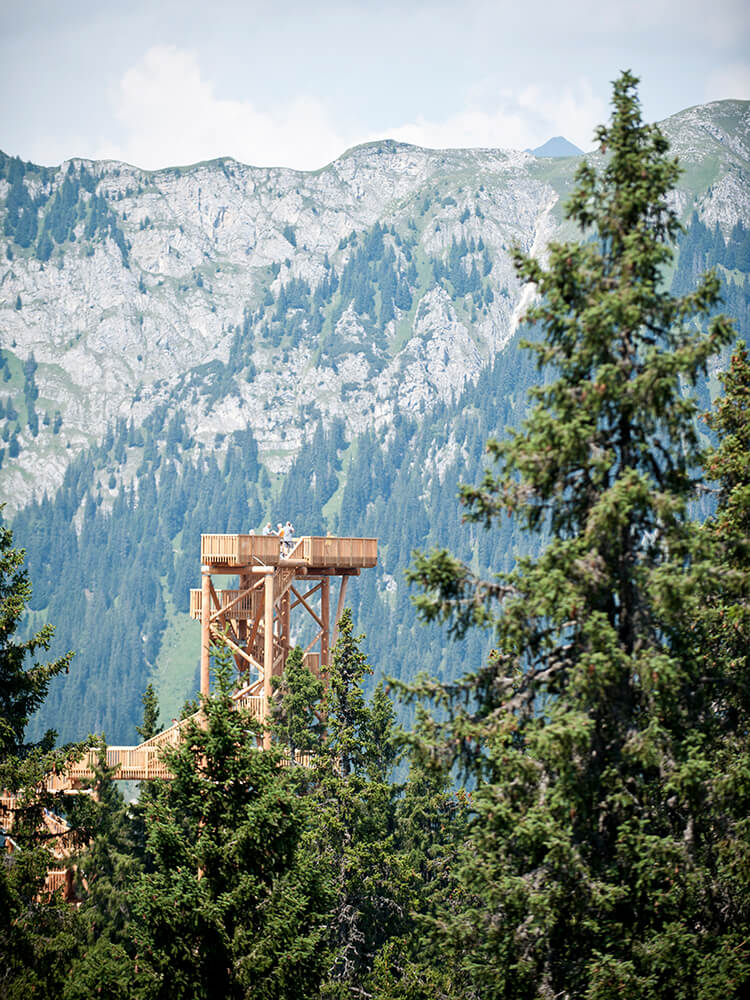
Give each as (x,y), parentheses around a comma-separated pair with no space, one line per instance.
(254,620)
(274,579)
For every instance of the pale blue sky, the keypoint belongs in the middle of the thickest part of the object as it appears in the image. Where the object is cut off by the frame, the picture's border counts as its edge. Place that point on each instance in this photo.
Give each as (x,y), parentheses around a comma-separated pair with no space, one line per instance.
(295,84)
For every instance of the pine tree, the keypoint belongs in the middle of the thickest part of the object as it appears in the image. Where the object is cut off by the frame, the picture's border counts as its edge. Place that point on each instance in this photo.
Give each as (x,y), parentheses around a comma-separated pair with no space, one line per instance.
(717,826)
(581,872)
(347,717)
(297,694)
(150,725)
(355,820)
(34,932)
(22,688)
(231,906)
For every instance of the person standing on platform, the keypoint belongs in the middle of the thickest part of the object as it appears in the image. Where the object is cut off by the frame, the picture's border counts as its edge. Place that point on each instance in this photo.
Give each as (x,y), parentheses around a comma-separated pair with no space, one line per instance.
(268,530)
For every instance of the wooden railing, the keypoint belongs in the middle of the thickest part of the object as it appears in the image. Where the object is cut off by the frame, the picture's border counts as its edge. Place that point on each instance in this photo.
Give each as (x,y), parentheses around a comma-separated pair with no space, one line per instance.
(343,552)
(173,734)
(240,550)
(254,703)
(301,759)
(138,763)
(246,550)
(55,824)
(56,879)
(60,782)
(245,607)
(293,548)
(220,548)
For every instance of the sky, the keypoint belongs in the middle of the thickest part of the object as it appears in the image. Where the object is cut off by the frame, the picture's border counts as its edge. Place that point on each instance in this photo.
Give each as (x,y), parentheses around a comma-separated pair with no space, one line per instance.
(296,84)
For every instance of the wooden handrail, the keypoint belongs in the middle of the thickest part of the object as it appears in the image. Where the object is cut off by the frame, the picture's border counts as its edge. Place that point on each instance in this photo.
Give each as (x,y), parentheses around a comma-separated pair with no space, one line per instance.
(340,552)
(322,551)
(240,550)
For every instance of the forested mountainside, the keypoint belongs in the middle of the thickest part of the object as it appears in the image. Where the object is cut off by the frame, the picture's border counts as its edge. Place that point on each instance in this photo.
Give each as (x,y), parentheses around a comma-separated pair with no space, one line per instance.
(197,349)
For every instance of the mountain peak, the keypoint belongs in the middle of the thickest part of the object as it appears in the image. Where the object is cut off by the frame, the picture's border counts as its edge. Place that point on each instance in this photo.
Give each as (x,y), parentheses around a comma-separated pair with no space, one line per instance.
(558,145)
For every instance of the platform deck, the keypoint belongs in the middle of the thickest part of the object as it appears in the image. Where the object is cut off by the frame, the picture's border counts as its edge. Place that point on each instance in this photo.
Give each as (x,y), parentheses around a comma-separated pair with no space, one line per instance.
(322,553)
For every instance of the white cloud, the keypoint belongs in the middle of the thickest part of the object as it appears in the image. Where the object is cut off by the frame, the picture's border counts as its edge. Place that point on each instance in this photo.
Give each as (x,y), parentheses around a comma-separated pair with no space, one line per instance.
(170,114)
(573,112)
(472,127)
(517,120)
(731,81)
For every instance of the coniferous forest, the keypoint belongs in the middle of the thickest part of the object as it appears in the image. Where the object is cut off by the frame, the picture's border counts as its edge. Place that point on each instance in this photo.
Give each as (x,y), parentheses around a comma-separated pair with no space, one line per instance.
(566,814)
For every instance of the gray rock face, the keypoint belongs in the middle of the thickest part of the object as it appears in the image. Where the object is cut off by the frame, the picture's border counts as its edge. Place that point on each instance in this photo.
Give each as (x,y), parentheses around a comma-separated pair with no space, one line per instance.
(210,248)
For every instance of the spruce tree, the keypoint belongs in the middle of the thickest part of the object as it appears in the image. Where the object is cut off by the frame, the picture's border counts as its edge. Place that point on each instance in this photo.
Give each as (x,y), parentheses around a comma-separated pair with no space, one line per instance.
(23,687)
(35,931)
(231,905)
(583,872)
(297,693)
(150,725)
(355,817)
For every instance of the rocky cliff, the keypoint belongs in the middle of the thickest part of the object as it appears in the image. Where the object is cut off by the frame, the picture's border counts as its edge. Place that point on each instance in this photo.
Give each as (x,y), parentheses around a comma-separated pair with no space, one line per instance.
(256,297)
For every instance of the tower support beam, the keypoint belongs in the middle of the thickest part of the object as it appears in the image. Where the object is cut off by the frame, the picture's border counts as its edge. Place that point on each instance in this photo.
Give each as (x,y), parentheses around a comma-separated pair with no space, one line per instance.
(325,615)
(267,655)
(205,630)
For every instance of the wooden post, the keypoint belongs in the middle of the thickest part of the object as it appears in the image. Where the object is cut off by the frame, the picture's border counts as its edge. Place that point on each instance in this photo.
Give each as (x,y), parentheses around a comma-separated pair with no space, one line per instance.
(325,617)
(267,656)
(205,630)
(69,893)
(284,620)
(244,583)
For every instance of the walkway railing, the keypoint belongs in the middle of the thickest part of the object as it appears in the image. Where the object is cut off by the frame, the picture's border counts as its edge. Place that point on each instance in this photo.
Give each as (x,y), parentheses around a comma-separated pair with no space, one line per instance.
(315,551)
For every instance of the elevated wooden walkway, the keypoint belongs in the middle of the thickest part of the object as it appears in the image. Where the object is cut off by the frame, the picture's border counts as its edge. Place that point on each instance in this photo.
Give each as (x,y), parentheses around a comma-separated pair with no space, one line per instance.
(253,619)
(131,763)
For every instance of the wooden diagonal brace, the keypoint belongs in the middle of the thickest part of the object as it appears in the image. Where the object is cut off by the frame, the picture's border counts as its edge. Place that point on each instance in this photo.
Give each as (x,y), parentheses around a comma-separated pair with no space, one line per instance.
(306,596)
(222,637)
(243,593)
(301,600)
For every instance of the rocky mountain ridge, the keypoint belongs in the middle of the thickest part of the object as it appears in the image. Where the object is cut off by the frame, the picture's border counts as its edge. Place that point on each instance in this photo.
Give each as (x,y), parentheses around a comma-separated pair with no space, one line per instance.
(272,298)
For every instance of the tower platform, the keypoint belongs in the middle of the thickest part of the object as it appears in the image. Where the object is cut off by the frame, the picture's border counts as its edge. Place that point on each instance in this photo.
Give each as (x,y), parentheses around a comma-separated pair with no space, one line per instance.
(274,578)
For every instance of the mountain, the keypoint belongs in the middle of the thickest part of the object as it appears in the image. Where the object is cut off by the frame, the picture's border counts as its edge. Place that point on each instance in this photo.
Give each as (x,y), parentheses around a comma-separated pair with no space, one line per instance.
(558,145)
(199,348)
